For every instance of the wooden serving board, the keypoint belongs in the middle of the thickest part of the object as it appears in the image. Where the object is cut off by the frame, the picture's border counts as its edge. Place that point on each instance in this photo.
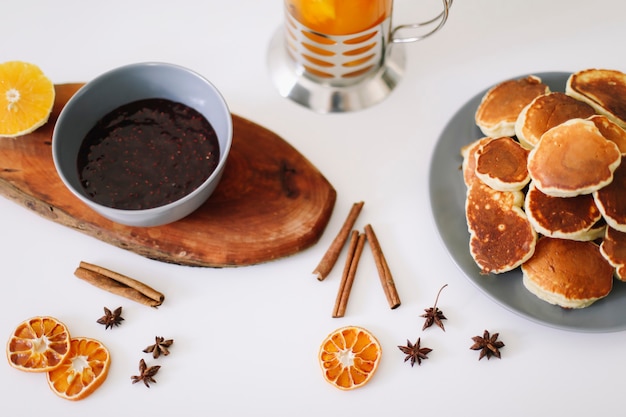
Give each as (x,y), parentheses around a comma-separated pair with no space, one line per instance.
(271,203)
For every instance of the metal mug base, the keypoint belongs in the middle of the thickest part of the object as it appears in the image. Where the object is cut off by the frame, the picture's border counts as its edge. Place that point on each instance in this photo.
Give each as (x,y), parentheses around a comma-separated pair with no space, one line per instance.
(294,84)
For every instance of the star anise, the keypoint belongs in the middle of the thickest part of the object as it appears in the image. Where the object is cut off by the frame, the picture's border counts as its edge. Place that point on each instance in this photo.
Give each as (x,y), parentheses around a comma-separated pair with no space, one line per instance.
(414,352)
(146,374)
(160,347)
(111,318)
(489,345)
(434,315)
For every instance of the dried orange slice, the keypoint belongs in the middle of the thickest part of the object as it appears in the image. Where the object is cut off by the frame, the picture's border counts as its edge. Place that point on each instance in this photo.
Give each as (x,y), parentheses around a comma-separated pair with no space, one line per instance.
(349,356)
(38,344)
(84,370)
(26,98)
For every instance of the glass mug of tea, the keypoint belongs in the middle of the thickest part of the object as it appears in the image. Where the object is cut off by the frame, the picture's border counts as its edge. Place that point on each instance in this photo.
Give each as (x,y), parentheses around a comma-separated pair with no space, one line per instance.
(341,55)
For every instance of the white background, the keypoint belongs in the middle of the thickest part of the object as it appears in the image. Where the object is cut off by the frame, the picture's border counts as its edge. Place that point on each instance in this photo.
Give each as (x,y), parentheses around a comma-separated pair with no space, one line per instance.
(246,339)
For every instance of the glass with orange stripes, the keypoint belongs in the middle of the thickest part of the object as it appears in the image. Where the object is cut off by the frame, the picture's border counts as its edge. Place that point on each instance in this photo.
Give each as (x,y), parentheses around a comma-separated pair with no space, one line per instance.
(342,41)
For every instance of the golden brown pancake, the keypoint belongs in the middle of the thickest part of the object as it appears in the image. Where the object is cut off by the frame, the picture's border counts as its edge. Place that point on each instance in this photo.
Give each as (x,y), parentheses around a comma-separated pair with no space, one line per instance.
(568,273)
(611,199)
(613,248)
(602,89)
(611,131)
(573,158)
(500,106)
(545,112)
(501,164)
(575,218)
(501,238)
(468,152)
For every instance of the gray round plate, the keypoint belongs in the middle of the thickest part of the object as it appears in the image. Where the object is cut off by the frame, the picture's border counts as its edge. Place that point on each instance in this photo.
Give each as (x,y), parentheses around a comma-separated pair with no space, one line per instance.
(447,196)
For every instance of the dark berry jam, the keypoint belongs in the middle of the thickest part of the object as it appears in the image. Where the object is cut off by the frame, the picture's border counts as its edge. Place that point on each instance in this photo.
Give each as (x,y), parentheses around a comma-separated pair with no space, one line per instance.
(146,154)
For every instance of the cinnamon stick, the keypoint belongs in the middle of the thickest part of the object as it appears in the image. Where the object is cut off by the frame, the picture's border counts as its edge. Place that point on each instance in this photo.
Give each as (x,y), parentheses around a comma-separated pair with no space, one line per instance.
(386,279)
(119,284)
(357,241)
(332,254)
(354,238)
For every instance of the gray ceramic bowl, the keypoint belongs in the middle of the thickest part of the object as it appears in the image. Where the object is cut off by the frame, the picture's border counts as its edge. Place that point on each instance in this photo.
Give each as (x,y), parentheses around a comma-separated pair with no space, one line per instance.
(121,86)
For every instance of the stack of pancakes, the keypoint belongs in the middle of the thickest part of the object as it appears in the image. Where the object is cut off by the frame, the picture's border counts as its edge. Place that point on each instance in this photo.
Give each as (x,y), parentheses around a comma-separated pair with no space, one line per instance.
(545,186)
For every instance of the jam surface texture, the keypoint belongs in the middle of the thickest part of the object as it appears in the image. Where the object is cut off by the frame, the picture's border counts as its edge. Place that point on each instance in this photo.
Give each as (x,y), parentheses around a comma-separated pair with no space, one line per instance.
(146,154)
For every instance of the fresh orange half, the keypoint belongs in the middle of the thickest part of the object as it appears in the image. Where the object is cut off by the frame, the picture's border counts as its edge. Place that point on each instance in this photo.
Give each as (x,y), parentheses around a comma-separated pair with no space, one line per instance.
(84,370)
(38,344)
(349,356)
(26,98)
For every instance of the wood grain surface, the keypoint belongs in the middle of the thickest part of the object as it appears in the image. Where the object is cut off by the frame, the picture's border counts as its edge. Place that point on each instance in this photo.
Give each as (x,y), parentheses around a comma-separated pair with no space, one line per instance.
(271,203)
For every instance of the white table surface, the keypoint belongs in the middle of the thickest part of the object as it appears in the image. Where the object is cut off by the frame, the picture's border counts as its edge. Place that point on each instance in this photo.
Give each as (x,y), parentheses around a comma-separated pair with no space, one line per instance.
(246,339)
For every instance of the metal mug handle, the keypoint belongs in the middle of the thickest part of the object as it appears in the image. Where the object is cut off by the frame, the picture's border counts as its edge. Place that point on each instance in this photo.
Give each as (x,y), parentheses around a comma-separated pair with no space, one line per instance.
(440,19)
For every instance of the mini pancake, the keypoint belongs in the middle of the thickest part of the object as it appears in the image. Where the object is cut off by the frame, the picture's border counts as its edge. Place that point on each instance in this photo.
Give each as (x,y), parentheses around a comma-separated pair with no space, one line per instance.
(501,105)
(602,89)
(567,273)
(611,131)
(501,164)
(611,199)
(575,218)
(501,237)
(468,152)
(573,158)
(545,112)
(613,248)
